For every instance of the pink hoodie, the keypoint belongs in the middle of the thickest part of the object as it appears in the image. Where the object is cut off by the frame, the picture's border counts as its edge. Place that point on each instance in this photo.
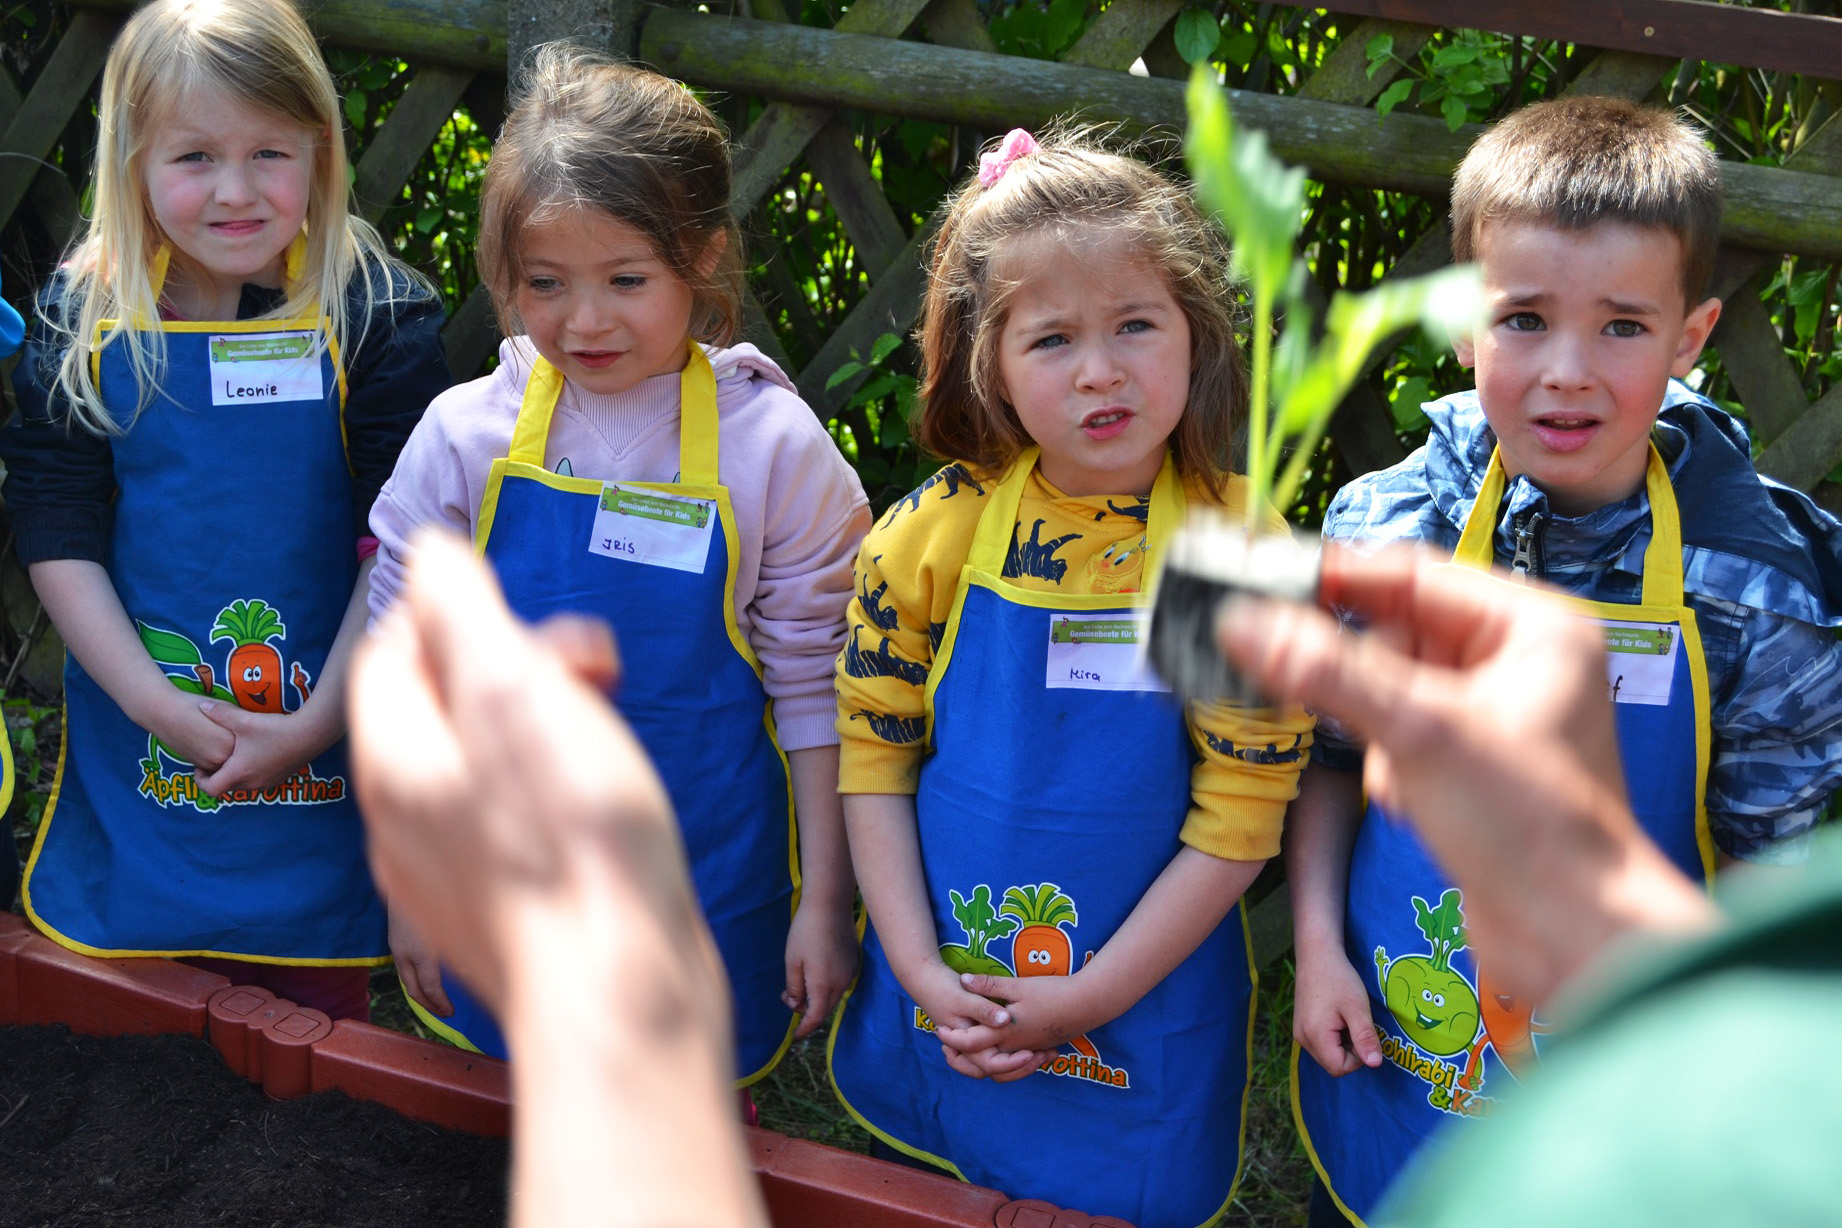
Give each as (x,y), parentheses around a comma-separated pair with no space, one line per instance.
(800,510)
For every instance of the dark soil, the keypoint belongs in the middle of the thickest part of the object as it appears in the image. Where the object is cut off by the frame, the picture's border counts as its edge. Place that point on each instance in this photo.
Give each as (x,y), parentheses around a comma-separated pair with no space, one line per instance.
(156,1132)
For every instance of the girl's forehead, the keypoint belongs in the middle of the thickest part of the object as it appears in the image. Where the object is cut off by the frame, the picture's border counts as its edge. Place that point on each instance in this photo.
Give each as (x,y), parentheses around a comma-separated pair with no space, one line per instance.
(204,103)
(1059,251)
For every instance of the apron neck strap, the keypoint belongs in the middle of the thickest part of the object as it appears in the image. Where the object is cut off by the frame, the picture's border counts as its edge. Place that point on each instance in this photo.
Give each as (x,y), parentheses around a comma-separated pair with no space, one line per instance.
(292,263)
(696,417)
(992,541)
(1662,560)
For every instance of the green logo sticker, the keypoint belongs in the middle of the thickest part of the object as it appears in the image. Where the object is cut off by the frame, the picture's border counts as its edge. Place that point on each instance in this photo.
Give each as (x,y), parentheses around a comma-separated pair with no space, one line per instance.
(261,349)
(1644,641)
(692,513)
(1096,631)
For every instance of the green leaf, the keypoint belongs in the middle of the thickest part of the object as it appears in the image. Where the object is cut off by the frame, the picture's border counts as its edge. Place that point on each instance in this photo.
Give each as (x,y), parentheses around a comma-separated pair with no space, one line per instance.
(428,218)
(1444,927)
(843,373)
(355,107)
(1450,57)
(1259,198)
(1380,50)
(1239,47)
(1394,95)
(1455,112)
(1414,392)
(883,346)
(168,647)
(1197,35)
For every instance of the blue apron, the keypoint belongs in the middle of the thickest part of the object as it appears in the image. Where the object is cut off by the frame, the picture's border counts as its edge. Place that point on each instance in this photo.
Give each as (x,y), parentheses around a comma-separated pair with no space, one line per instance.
(234,552)
(690,686)
(1450,1038)
(1045,812)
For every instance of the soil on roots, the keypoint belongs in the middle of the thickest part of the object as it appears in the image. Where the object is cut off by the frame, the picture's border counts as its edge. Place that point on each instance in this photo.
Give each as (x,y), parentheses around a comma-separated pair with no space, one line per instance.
(158,1133)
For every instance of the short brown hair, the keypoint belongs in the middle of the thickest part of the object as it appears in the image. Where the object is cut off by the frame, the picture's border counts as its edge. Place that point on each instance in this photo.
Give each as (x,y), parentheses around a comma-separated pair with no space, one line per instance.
(1066,187)
(587,132)
(1572,163)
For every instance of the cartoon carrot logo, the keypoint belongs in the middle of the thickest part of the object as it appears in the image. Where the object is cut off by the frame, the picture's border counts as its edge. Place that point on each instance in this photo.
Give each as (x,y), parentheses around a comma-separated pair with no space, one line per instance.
(255,664)
(1041,948)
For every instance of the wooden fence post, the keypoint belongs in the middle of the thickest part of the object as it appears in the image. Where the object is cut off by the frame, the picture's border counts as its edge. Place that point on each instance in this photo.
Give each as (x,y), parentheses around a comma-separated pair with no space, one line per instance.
(606,25)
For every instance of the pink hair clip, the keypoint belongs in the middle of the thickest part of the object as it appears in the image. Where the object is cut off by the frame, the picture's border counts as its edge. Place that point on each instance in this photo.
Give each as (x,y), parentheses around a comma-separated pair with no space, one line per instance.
(992,166)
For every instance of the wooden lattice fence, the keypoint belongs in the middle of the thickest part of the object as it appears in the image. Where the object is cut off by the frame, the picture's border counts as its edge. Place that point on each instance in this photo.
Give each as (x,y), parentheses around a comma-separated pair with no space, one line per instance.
(810,105)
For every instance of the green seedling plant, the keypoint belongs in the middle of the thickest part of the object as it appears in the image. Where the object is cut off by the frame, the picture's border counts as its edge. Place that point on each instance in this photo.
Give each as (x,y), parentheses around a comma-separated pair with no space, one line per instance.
(1297,384)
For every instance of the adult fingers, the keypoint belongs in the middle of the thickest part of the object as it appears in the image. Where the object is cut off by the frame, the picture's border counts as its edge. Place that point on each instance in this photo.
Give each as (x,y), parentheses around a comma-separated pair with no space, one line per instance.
(585,645)
(1293,652)
(406,764)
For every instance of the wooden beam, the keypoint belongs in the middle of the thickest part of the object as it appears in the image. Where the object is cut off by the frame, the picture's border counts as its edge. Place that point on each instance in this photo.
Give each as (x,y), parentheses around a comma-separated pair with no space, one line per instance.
(470,336)
(855,196)
(1753,353)
(460,33)
(1121,33)
(397,147)
(1769,208)
(1806,451)
(1344,75)
(62,87)
(52,196)
(606,25)
(1675,29)
(780,134)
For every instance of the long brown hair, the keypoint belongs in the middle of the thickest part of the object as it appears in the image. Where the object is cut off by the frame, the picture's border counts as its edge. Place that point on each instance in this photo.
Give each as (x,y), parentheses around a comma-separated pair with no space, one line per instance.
(1067,188)
(587,132)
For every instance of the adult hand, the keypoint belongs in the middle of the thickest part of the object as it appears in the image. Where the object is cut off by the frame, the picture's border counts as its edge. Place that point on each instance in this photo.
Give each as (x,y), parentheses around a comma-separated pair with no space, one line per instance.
(1484,706)
(497,782)
(516,821)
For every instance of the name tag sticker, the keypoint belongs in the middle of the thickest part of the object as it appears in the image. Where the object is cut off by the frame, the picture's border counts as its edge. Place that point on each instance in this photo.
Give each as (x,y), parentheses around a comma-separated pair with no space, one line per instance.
(1640,661)
(1098,652)
(660,530)
(265,368)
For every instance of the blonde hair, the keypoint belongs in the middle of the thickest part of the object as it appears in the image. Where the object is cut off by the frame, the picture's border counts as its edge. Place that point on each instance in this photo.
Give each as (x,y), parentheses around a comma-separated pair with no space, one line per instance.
(1066,188)
(587,132)
(256,52)
(1571,163)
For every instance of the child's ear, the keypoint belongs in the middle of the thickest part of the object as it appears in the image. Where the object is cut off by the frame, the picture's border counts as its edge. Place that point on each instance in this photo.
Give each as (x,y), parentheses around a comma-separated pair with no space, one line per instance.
(1465,349)
(712,253)
(1696,328)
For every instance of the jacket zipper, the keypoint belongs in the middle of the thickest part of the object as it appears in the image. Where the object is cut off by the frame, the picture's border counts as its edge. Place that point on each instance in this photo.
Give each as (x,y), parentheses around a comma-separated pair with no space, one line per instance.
(1527,560)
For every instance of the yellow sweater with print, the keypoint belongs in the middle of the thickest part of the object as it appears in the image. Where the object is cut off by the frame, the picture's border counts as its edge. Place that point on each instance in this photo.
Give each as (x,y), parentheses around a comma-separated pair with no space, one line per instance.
(1248,759)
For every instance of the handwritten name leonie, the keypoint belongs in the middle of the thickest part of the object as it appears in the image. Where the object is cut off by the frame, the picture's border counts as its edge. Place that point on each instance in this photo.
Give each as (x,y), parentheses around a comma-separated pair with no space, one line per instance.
(251,390)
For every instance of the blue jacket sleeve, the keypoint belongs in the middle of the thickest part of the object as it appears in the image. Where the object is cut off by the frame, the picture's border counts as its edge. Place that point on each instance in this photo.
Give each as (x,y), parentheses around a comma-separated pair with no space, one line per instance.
(396,369)
(60,478)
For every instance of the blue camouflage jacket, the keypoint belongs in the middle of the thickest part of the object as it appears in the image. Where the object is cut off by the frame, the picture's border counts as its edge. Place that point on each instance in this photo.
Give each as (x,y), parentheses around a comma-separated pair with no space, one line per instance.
(1762,567)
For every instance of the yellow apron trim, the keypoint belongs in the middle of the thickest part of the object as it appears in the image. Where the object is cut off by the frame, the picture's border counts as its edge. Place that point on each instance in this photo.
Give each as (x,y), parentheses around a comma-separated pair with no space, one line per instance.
(436,1024)
(1662,601)
(991,541)
(889,1140)
(1311,1151)
(6,771)
(698,479)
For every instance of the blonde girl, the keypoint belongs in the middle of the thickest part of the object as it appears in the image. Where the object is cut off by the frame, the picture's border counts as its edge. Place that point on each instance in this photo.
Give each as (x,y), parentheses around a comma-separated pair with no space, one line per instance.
(216,382)
(1047,843)
(627,460)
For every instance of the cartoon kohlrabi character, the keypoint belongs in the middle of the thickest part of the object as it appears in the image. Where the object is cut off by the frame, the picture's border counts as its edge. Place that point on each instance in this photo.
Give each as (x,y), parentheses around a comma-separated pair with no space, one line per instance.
(1434,1005)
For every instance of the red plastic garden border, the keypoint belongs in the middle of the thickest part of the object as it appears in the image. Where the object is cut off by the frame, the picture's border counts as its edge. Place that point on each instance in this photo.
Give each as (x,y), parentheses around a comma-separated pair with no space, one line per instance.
(291,1050)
